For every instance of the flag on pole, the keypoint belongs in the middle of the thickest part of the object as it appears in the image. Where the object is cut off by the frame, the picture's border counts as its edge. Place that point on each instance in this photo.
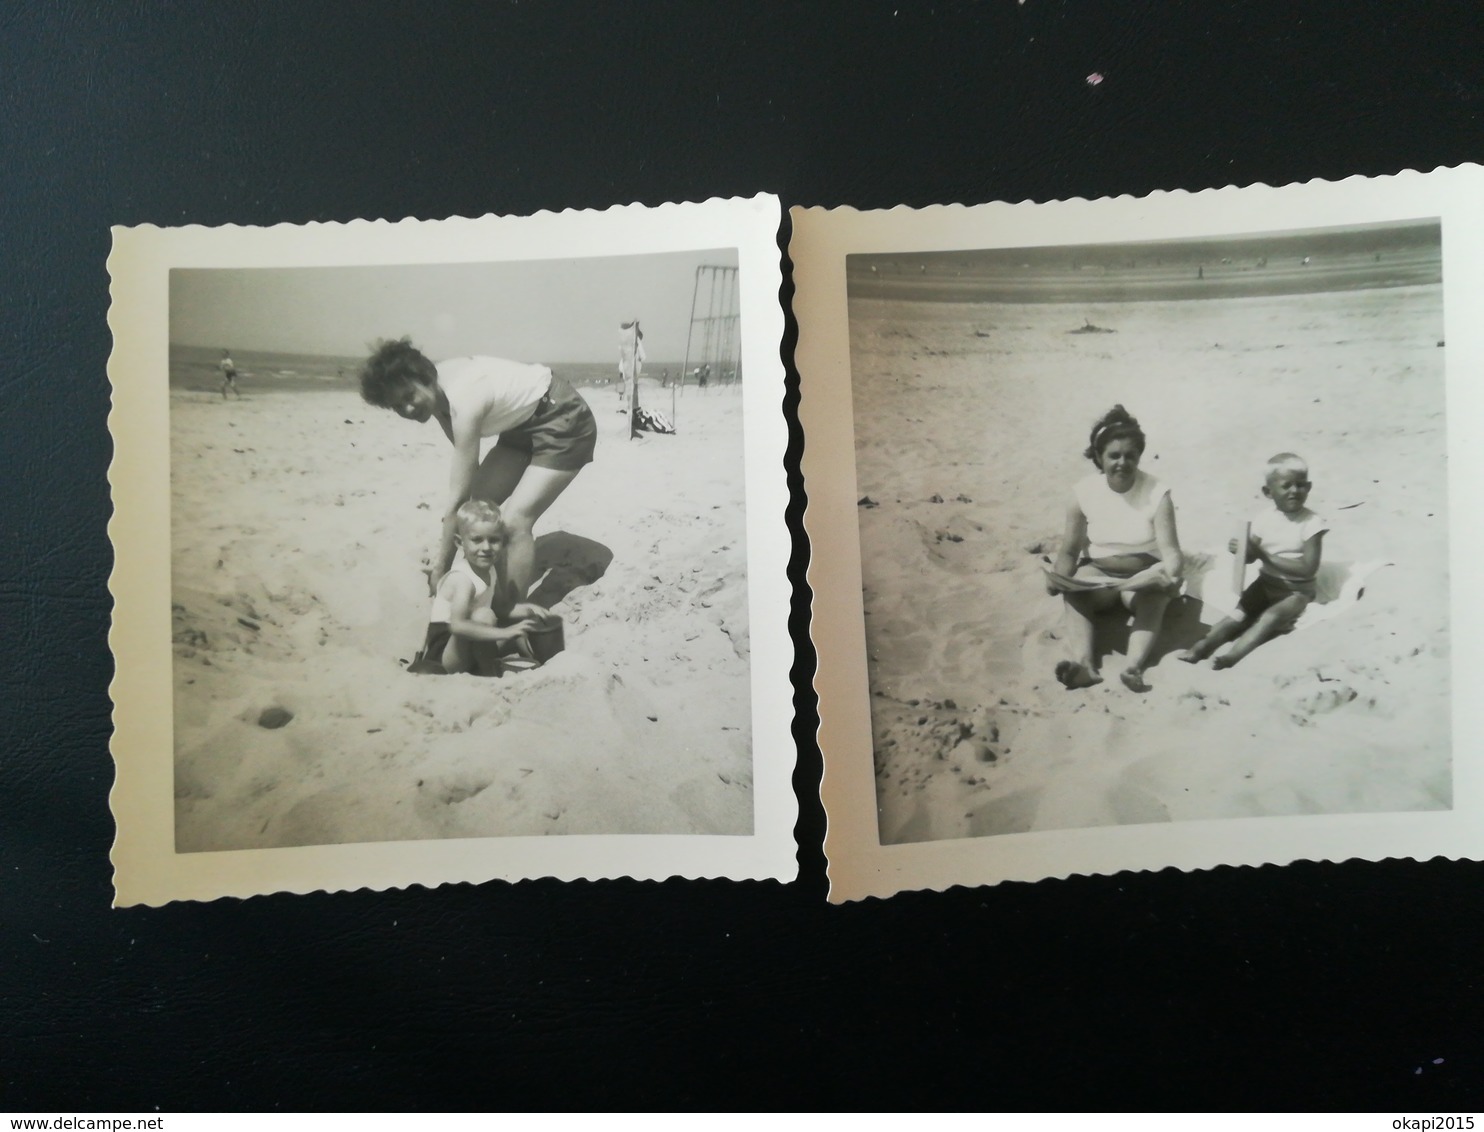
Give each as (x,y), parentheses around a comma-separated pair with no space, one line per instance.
(630,364)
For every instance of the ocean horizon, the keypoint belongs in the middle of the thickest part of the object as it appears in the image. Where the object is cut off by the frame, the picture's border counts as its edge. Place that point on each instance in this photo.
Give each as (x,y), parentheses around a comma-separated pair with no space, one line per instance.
(1281,264)
(194,368)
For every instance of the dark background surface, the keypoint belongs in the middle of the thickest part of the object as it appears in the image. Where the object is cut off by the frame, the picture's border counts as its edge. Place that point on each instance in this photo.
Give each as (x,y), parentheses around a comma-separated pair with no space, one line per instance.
(1311,986)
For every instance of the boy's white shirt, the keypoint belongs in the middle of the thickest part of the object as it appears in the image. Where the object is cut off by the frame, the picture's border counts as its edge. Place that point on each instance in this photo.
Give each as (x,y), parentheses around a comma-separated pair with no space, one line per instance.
(443,609)
(1283,535)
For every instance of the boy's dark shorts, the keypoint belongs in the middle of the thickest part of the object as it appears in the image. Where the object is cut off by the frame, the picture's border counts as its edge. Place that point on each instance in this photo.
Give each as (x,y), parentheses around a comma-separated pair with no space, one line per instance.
(1267,591)
(429,659)
(561,434)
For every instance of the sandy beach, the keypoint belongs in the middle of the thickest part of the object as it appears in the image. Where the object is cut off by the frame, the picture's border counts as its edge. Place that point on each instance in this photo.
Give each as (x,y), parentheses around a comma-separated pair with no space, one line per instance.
(298,520)
(970,420)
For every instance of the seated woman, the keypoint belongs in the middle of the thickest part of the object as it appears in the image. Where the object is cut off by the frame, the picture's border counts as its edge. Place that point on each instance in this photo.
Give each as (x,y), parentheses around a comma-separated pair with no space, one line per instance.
(1119,549)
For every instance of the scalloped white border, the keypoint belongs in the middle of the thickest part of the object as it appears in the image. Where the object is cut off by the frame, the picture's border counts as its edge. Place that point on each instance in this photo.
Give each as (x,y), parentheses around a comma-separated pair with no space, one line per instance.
(147,870)
(859,866)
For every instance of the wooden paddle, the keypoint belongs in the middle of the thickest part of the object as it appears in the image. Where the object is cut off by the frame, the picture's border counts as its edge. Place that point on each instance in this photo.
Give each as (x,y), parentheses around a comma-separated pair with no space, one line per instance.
(1239,561)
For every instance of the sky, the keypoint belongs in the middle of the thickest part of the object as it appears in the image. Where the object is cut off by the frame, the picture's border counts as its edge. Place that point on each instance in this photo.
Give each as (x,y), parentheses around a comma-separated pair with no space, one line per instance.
(536,311)
(1393,236)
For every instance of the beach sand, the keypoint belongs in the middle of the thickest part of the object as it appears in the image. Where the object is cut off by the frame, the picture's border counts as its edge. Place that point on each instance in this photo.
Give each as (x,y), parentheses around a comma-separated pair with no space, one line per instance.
(970,420)
(298,520)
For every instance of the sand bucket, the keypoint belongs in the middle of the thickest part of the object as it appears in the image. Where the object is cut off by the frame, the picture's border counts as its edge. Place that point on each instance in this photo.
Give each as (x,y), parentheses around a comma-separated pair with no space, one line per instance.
(547,641)
(539,645)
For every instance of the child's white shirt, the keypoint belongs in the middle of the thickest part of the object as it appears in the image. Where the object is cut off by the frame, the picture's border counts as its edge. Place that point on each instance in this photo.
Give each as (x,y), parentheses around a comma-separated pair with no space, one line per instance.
(442,609)
(1283,535)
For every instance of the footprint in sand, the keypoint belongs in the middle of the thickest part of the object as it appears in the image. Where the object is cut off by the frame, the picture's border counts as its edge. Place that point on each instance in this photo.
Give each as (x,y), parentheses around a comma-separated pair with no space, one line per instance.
(1324,701)
(455,790)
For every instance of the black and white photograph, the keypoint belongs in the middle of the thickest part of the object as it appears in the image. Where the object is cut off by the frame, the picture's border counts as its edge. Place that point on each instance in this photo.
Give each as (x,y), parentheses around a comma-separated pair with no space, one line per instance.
(1154,531)
(1055,448)
(460,551)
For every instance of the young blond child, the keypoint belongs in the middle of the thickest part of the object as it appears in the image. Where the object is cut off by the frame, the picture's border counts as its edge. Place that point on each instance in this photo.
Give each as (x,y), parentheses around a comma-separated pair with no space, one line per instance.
(1288,540)
(476,618)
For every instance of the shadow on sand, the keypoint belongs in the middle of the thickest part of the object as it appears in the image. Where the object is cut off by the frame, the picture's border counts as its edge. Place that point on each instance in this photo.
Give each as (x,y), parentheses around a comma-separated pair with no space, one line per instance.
(566,561)
(1181,628)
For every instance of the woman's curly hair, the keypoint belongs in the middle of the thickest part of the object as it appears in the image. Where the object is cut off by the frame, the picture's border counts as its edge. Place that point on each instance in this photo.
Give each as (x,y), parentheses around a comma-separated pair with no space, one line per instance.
(394,365)
(1116,424)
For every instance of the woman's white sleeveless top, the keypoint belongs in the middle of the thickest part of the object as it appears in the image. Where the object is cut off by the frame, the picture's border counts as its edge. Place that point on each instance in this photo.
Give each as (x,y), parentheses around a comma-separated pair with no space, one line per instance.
(1120,523)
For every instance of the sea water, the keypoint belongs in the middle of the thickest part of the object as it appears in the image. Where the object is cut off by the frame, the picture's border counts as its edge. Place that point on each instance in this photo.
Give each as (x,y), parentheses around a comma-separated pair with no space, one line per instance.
(194,368)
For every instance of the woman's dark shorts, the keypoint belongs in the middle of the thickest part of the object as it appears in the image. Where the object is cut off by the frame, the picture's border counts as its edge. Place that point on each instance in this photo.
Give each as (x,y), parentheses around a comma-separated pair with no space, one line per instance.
(561,434)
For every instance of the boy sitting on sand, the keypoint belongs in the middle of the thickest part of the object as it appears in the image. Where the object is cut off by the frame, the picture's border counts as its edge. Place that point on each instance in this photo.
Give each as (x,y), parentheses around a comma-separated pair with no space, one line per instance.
(475,617)
(1287,541)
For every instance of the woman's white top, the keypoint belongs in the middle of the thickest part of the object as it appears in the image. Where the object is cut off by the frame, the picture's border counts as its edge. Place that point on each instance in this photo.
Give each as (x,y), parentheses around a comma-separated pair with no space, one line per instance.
(1120,523)
(495,393)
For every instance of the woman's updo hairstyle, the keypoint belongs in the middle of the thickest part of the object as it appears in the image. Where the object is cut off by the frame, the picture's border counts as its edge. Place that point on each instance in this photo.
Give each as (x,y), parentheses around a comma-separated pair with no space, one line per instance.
(1115,424)
(392,367)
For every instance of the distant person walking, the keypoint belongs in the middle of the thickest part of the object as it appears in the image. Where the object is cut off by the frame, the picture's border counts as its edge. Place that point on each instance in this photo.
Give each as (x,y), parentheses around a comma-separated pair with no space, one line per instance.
(229,375)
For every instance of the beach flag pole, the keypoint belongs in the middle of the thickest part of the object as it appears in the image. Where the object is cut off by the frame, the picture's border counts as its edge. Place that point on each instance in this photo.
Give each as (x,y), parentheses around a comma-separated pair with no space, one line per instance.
(631,381)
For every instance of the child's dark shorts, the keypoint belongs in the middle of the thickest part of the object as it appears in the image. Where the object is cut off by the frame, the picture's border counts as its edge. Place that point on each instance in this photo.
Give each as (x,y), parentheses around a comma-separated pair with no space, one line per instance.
(1267,591)
(561,434)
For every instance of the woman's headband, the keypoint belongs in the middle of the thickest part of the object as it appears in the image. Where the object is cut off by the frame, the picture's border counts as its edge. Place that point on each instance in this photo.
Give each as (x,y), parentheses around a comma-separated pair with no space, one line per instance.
(1108,426)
